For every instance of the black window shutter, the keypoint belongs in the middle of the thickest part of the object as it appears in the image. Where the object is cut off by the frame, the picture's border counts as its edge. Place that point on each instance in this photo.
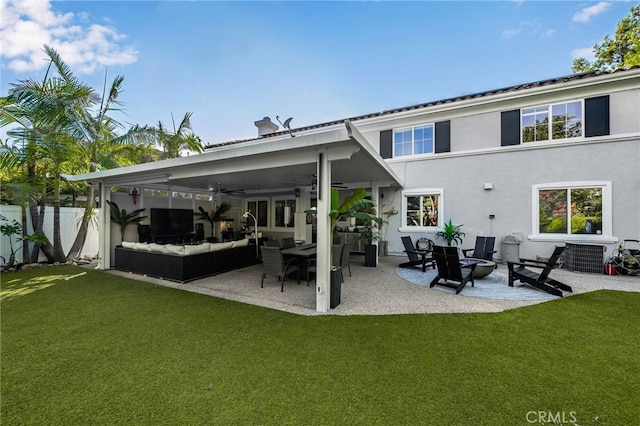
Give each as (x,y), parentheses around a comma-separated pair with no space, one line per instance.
(596,116)
(510,128)
(386,144)
(443,136)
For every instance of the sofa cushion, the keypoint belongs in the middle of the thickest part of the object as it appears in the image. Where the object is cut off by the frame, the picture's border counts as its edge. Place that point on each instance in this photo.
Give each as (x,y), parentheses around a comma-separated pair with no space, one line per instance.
(221,246)
(142,246)
(129,244)
(159,248)
(195,249)
(174,249)
(241,243)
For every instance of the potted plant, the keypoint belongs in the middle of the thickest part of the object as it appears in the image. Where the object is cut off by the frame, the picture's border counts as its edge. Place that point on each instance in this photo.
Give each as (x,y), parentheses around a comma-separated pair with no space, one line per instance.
(451,233)
(370,235)
(9,229)
(213,217)
(124,219)
(365,214)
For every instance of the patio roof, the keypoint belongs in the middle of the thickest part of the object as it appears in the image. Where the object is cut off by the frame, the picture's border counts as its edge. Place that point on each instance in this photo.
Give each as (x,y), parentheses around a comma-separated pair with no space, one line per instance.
(267,165)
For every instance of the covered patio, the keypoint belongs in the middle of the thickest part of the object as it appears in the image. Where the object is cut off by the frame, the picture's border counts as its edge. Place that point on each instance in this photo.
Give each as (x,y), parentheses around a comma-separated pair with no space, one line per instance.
(267,166)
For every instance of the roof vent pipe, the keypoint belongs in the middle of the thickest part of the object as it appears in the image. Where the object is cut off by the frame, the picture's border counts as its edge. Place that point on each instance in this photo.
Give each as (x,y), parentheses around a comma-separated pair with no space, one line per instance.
(265,126)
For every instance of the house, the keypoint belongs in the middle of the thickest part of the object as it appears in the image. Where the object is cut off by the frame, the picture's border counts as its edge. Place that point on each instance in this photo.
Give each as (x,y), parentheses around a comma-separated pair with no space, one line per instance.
(549,162)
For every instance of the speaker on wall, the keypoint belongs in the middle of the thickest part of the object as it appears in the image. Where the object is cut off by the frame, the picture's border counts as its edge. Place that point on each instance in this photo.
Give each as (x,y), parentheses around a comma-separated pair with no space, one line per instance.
(144,234)
(199,231)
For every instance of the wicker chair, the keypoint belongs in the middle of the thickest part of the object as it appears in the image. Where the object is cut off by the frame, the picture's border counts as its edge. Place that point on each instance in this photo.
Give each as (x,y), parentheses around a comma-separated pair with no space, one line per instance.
(274,264)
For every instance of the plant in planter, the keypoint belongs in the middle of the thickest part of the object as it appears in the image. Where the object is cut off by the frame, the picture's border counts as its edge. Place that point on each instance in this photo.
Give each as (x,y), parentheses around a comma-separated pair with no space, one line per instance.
(124,219)
(451,233)
(214,216)
(9,229)
(370,235)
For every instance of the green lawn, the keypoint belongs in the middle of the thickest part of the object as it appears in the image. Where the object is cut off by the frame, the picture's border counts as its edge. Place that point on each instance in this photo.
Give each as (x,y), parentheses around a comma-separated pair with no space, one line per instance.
(85,347)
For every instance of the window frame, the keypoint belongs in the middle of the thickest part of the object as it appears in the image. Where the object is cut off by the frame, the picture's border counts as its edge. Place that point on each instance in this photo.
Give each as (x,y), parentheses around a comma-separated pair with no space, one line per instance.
(607,213)
(272,210)
(549,111)
(413,140)
(420,192)
(257,200)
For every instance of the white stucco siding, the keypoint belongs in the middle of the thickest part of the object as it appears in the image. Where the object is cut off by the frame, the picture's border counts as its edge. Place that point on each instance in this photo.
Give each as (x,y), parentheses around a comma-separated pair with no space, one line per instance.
(625,112)
(475,132)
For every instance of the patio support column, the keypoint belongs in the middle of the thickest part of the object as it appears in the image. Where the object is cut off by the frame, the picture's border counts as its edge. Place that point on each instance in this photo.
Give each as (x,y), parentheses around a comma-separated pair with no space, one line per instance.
(324,236)
(104,228)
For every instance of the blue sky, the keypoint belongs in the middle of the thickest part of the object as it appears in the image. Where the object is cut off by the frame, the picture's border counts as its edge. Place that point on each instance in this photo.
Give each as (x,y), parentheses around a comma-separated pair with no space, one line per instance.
(232,63)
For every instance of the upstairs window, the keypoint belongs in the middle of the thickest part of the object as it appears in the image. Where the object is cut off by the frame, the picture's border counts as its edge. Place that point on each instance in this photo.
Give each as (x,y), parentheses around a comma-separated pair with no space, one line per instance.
(552,122)
(413,141)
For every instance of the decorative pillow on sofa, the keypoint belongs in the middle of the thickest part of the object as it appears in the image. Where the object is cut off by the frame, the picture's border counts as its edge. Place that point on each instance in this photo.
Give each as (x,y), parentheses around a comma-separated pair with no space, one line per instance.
(200,248)
(174,249)
(221,246)
(241,243)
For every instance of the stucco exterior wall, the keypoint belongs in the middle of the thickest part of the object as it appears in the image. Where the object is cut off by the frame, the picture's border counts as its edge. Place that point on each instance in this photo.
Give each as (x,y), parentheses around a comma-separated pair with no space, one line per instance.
(477,157)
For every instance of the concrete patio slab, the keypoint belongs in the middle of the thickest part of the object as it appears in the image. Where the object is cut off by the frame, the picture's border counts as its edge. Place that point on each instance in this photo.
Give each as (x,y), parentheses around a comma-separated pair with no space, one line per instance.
(372,291)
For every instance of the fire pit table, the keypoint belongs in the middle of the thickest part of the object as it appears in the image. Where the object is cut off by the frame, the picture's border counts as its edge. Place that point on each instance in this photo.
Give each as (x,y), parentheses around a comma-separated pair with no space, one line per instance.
(483,267)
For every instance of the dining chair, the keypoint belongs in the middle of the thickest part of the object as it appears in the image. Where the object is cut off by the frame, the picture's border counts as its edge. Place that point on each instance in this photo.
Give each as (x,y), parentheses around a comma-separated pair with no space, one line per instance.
(274,264)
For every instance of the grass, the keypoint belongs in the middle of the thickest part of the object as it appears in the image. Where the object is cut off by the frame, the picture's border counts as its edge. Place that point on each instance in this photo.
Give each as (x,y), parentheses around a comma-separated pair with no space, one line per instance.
(85,347)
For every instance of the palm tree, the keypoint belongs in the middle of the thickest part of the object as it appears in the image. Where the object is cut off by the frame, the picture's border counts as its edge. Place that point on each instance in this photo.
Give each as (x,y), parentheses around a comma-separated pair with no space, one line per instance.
(181,139)
(63,134)
(99,147)
(42,111)
(124,219)
(215,215)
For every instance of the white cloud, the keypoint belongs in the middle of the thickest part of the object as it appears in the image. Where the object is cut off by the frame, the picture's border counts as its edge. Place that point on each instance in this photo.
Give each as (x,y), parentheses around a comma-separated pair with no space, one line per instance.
(533,28)
(29,24)
(587,13)
(548,33)
(583,52)
(510,33)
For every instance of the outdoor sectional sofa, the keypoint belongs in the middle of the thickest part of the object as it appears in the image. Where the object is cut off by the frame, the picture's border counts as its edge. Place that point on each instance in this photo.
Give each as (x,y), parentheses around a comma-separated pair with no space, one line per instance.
(183,263)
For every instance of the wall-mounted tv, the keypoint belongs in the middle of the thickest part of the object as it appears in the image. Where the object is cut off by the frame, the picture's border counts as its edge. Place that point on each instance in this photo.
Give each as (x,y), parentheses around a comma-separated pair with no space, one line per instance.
(171,221)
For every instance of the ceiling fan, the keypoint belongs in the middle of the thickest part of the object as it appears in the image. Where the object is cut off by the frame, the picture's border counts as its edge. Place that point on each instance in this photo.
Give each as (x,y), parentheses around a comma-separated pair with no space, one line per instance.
(337,185)
(221,190)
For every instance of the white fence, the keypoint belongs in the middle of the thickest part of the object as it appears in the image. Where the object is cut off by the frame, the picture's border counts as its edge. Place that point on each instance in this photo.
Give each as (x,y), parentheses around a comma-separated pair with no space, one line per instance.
(70,218)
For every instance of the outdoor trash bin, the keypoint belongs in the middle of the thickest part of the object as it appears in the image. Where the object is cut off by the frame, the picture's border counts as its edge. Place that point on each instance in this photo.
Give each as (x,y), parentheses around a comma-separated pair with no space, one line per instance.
(336,286)
(510,249)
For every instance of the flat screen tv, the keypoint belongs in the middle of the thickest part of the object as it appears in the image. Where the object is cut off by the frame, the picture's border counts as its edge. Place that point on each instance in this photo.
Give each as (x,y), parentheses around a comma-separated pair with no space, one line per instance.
(171,221)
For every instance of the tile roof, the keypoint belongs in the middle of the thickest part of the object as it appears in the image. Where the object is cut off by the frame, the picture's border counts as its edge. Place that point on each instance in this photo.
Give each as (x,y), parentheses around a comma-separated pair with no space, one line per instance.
(516,88)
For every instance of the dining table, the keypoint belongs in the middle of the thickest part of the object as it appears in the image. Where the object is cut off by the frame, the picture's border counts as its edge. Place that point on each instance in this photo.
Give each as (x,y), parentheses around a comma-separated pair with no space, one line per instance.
(302,254)
(304,251)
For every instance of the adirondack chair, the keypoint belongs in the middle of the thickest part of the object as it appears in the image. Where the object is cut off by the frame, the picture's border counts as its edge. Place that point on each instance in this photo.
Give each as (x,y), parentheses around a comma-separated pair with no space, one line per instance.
(416,257)
(451,269)
(541,280)
(484,249)
(274,264)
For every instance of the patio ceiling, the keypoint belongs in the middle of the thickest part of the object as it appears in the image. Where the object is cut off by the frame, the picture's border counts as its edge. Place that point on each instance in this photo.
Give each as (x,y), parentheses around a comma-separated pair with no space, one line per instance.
(267,165)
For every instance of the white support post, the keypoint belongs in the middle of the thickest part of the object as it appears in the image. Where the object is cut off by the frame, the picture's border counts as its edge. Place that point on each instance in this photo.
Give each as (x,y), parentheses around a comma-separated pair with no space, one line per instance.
(104,228)
(324,237)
